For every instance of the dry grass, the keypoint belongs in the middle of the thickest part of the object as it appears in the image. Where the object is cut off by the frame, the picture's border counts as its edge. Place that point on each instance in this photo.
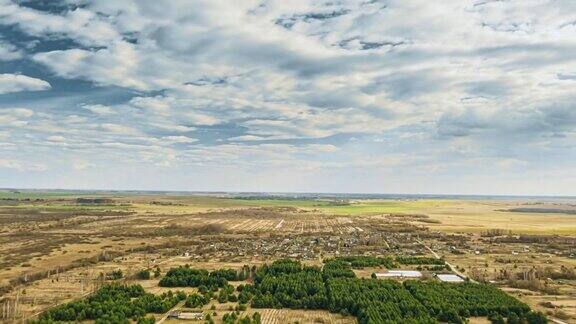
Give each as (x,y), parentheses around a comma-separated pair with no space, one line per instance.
(478,216)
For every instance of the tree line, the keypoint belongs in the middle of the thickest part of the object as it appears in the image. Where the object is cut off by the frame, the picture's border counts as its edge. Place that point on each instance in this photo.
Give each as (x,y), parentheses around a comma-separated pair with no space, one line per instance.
(359,262)
(184,276)
(113,303)
(411,260)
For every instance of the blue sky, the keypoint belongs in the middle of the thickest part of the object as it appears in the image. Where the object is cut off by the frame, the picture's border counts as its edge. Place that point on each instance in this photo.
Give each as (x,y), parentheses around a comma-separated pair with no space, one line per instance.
(388,96)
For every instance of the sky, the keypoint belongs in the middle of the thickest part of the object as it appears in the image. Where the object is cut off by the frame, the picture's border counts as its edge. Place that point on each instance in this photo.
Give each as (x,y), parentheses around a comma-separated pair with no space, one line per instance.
(366,96)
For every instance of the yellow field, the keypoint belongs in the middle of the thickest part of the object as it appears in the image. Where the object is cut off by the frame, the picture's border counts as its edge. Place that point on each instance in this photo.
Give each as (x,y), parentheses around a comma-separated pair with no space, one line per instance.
(458,215)
(476,216)
(451,215)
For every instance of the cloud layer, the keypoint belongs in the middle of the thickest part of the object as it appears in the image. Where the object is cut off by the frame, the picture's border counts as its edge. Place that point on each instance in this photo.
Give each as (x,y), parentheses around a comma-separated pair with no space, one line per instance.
(16,83)
(415,96)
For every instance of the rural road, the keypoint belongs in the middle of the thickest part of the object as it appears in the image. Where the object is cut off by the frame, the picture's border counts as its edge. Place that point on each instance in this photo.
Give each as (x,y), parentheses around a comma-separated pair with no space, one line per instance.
(557,321)
(180,304)
(452,268)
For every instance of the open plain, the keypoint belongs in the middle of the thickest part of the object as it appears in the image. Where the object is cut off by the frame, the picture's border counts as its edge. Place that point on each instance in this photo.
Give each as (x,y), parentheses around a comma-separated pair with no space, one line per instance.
(56,247)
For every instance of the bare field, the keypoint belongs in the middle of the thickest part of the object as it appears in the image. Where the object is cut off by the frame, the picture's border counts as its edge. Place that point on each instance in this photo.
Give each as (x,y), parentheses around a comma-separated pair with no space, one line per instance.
(279,316)
(285,316)
(477,216)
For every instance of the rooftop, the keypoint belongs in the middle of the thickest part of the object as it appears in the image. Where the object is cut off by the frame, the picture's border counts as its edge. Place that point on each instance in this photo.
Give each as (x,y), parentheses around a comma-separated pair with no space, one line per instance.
(400,273)
(449,278)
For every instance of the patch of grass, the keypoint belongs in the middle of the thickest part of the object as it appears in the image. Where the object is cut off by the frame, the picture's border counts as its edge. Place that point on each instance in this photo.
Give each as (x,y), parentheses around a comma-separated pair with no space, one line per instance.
(298,203)
(380,207)
(37,194)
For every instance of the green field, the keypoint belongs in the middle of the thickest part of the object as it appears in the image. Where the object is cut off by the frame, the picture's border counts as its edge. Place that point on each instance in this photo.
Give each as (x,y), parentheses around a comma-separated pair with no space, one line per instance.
(39,194)
(358,207)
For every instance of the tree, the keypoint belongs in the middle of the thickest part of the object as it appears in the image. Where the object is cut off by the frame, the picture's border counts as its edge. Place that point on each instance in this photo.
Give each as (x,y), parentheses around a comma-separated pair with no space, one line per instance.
(146,320)
(536,318)
(196,300)
(496,318)
(143,274)
(513,319)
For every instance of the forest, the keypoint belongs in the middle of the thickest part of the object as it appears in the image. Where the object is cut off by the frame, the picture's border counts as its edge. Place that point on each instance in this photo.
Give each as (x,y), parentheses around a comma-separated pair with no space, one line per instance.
(290,284)
(465,299)
(114,303)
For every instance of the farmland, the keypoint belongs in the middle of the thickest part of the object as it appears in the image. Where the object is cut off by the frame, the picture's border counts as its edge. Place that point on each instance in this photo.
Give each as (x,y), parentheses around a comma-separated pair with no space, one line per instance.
(56,248)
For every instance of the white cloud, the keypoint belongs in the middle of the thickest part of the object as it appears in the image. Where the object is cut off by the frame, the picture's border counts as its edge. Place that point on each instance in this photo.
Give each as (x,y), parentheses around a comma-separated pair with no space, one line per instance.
(21,166)
(84,26)
(9,52)
(249,62)
(16,83)
(180,139)
(99,109)
(15,117)
(56,138)
(17,112)
(337,85)
(82,165)
(119,129)
(108,66)
(246,138)
(157,104)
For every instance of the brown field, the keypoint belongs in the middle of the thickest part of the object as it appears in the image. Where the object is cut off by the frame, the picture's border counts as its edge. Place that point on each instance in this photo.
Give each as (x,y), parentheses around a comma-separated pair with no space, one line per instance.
(279,316)
(54,250)
(475,216)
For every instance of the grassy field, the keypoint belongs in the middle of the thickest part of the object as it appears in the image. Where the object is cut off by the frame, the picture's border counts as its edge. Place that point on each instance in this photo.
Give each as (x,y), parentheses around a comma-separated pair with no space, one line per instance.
(15,194)
(368,207)
(359,207)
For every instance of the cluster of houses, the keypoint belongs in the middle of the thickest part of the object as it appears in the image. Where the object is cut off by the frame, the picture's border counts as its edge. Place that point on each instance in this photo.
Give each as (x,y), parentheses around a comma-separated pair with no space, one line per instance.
(308,246)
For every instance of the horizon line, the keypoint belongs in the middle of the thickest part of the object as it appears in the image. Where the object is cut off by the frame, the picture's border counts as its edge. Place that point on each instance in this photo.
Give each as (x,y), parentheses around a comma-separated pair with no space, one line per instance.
(287,192)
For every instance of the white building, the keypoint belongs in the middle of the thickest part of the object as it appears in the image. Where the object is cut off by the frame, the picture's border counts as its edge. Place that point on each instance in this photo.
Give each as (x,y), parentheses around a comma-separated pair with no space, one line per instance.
(449,278)
(400,274)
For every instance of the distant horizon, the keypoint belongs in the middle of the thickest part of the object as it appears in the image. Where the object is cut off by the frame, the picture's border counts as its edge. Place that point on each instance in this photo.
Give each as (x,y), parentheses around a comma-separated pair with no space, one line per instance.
(286,193)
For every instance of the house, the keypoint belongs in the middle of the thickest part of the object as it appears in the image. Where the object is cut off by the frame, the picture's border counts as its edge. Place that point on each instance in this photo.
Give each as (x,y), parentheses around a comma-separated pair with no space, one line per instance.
(185,315)
(173,314)
(191,316)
